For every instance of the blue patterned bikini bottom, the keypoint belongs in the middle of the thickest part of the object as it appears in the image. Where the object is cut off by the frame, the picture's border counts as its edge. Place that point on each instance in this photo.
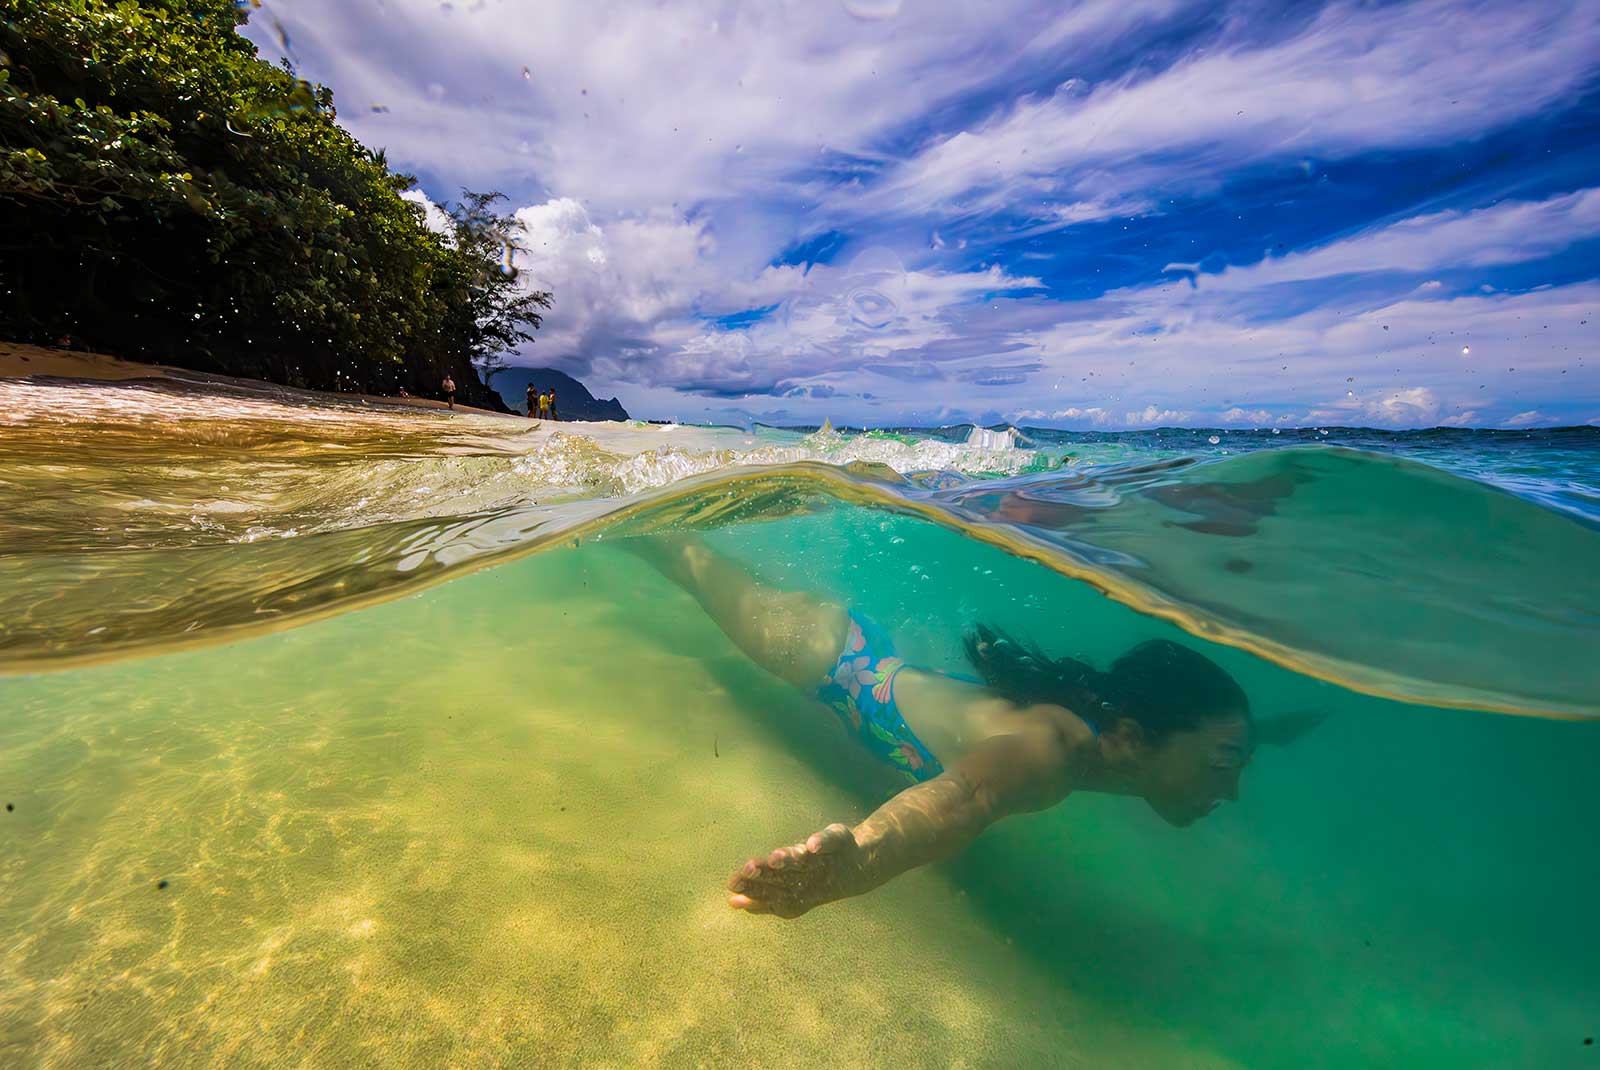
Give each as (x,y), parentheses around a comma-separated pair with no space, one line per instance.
(860,689)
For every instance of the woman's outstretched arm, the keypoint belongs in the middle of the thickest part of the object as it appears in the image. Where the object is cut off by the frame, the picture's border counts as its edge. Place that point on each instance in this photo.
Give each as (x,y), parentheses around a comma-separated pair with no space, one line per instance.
(1026,768)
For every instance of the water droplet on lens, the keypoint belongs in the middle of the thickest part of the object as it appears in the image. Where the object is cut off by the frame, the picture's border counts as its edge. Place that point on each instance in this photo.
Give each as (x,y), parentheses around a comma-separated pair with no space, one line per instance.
(1213,440)
(1465,350)
(872,10)
(870,308)
(873,277)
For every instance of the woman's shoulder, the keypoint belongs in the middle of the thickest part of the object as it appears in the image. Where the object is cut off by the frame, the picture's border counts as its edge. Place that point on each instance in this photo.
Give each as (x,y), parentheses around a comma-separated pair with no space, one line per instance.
(1001,715)
(1062,716)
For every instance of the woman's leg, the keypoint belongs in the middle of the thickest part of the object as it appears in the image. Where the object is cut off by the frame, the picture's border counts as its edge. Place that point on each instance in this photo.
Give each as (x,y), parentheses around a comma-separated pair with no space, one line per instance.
(792,635)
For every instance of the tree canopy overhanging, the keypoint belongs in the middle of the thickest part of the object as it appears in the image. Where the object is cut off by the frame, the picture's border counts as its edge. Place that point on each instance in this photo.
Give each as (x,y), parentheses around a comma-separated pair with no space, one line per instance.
(165,194)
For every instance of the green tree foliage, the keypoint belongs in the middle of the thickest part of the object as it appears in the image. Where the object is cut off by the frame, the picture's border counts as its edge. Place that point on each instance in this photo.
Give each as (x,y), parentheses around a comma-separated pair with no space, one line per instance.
(495,309)
(165,194)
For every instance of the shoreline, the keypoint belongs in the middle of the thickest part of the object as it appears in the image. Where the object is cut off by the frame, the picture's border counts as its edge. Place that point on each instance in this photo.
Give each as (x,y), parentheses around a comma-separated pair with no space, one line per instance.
(22,361)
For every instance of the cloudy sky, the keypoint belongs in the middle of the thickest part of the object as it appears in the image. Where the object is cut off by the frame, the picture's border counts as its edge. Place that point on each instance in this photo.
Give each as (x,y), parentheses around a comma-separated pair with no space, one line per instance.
(1114,213)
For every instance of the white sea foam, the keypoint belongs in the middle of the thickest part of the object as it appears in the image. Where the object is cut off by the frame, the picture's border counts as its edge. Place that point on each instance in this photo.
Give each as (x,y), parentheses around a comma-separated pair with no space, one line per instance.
(310,463)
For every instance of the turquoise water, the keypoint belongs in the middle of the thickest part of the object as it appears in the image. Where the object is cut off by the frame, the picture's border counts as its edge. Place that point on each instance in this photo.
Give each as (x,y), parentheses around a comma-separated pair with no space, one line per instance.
(1407,886)
(443,779)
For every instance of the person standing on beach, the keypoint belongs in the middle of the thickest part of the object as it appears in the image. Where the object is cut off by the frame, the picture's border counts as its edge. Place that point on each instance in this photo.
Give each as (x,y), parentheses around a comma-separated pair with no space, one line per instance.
(544,405)
(553,415)
(533,401)
(449,388)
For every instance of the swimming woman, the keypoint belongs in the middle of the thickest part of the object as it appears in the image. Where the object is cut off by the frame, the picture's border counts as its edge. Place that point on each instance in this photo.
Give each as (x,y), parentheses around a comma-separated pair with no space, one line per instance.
(1165,724)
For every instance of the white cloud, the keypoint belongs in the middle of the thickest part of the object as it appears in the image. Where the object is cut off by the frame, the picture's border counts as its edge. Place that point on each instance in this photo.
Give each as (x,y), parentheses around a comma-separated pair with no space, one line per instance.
(667,153)
(619,288)
(634,105)
(633,271)
(433,217)
(1093,414)
(1357,77)
(1151,416)
(1412,406)
(869,317)
(1508,232)
(925,340)
(1529,419)
(1151,355)
(631,299)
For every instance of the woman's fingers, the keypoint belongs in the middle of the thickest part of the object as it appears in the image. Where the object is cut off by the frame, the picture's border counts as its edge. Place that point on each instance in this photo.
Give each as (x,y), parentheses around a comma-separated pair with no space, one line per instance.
(767,884)
(782,906)
(830,839)
(758,874)
(744,872)
(761,886)
(748,905)
(785,856)
(784,881)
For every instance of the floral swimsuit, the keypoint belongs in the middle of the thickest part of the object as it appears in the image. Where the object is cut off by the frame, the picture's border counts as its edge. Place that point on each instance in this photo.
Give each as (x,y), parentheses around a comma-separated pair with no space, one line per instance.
(860,689)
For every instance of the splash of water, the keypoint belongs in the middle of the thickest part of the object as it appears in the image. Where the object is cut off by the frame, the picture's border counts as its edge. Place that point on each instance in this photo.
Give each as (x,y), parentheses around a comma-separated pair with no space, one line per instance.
(294,510)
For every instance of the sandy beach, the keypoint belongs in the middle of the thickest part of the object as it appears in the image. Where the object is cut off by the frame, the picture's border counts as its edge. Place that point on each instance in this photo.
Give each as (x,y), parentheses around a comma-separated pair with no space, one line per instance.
(21,361)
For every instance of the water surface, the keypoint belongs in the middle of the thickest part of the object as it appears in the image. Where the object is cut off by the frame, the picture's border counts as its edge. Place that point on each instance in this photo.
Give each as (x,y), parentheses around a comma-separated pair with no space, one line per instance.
(434,776)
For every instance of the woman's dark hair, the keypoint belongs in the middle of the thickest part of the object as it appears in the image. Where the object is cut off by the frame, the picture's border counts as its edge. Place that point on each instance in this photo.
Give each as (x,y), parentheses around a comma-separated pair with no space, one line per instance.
(1163,686)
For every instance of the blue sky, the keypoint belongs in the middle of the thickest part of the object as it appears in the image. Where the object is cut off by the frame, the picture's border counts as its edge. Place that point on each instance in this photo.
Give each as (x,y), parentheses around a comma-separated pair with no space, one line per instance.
(1093,215)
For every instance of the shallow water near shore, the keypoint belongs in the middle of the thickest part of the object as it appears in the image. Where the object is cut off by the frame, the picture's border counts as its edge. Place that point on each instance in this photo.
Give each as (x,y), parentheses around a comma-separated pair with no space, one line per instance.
(477,810)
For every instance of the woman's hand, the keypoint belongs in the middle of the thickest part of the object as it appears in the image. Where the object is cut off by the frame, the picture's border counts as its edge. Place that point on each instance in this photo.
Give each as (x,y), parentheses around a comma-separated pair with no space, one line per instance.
(1027,768)
(829,865)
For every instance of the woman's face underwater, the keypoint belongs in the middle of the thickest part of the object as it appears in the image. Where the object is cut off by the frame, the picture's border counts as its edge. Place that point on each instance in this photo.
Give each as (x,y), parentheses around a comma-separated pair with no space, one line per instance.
(1190,773)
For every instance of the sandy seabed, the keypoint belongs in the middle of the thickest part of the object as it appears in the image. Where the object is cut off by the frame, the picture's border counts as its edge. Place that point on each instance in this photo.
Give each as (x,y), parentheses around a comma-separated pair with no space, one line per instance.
(481,827)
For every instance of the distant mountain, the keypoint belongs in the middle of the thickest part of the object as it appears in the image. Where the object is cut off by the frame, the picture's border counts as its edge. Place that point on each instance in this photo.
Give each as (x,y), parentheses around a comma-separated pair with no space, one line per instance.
(573,400)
